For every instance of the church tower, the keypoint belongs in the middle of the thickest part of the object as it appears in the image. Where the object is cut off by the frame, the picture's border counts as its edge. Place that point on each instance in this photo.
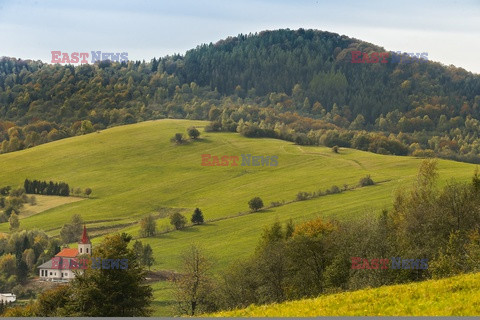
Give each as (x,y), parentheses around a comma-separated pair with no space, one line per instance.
(85,246)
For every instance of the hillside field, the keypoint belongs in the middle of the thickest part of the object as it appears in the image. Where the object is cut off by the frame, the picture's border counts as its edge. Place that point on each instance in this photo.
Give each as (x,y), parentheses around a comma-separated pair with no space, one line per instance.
(135,170)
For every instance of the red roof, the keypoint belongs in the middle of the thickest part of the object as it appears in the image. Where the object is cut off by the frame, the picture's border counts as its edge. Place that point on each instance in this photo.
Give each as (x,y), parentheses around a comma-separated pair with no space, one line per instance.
(67,253)
(85,239)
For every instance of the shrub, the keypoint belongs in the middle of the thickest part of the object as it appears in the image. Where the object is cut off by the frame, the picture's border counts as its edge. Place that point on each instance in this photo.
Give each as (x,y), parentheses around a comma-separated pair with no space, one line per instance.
(335,189)
(193,132)
(366,181)
(177,138)
(214,126)
(427,153)
(255,204)
(178,220)
(303,196)
(32,200)
(275,204)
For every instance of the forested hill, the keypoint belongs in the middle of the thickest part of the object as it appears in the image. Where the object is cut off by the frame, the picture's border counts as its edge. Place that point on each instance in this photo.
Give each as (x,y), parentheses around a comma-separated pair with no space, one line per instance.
(273,76)
(275,61)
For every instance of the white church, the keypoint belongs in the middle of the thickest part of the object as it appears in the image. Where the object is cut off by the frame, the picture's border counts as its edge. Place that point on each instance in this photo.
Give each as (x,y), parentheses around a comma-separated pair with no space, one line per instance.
(62,266)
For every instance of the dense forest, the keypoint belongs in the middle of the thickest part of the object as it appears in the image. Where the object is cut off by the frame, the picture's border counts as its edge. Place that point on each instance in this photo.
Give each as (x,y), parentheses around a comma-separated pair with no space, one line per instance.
(295,85)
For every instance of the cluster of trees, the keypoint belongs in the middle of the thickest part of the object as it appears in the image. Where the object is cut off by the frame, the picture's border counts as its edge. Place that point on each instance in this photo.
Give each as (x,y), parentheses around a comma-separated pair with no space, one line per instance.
(17,137)
(47,188)
(11,202)
(192,132)
(144,254)
(20,253)
(179,221)
(280,83)
(148,224)
(97,292)
(441,225)
(71,232)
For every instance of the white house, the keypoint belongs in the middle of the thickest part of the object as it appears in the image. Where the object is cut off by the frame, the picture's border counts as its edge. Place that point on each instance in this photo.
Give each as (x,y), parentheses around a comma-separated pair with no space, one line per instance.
(7,297)
(63,265)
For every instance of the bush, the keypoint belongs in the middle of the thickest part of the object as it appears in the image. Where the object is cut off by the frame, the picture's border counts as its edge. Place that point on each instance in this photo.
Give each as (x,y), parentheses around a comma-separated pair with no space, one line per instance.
(274,204)
(383,151)
(303,196)
(214,126)
(427,153)
(366,181)
(178,220)
(335,149)
(255,204)
(334,189)
(32,200)
(177,138)
(193,132)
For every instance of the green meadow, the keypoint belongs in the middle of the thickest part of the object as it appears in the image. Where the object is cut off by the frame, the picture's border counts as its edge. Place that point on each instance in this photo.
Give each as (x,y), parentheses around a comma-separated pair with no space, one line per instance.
(135,170)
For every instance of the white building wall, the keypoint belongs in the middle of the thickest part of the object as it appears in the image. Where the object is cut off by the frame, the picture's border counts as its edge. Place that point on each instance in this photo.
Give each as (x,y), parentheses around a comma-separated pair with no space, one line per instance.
(57,274)
(7,297)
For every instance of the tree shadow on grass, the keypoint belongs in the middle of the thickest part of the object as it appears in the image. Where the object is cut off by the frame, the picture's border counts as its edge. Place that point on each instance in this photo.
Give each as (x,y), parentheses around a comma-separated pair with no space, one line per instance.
(202,140)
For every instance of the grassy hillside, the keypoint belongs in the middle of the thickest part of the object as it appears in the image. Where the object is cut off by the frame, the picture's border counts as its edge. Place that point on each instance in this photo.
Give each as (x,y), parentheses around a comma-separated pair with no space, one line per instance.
(135,170)
(456,296)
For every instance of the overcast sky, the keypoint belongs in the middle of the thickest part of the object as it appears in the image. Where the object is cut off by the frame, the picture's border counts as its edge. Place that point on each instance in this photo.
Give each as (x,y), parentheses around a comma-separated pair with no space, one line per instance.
(448,30)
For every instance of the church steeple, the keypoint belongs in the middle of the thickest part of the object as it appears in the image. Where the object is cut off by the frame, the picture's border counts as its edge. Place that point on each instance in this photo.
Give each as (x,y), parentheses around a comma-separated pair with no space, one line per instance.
(85,246)
(85,239)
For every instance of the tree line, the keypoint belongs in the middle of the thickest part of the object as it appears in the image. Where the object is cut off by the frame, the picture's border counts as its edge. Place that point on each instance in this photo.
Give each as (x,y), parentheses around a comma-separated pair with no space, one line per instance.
(47,188)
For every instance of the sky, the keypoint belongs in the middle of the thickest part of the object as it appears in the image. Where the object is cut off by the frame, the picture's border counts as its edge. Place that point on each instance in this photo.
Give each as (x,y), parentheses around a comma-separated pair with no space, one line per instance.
(30,29)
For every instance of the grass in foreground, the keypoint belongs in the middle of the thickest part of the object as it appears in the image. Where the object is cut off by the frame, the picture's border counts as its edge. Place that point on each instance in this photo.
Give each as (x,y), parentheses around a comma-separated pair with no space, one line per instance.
(456,296)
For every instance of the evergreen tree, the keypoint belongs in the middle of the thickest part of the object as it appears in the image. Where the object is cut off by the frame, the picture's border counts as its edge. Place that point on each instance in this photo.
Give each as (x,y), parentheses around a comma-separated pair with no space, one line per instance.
(147,256)
(197,217)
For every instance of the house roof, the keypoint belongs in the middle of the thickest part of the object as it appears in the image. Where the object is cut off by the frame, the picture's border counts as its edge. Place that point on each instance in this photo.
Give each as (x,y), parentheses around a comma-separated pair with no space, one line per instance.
(67,253)
(46,265)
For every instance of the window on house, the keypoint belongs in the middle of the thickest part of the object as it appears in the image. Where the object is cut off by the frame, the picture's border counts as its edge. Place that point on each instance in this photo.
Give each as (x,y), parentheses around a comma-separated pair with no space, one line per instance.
(80,250)
(87,250)
(51,273)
